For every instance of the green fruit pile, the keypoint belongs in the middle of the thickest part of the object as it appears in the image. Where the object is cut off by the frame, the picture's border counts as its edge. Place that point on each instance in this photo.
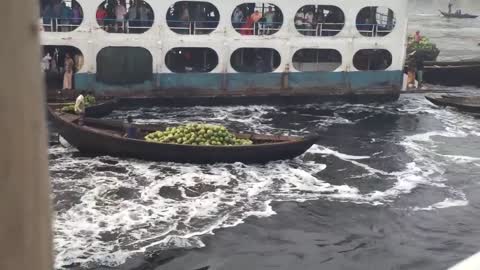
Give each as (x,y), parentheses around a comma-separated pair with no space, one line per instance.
(197,134)
(429,49)
(70,108)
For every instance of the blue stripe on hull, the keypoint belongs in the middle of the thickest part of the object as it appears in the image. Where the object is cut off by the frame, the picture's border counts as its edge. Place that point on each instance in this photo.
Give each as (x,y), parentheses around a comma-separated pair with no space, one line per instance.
(316,83)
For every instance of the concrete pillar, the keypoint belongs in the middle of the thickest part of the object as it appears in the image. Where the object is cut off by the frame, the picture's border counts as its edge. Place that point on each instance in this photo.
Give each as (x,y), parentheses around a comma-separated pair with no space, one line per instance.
(25,229)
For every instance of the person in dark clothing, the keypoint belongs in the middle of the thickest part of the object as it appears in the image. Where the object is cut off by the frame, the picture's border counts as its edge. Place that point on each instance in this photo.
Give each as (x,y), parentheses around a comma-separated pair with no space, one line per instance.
(420,66)
(131,131)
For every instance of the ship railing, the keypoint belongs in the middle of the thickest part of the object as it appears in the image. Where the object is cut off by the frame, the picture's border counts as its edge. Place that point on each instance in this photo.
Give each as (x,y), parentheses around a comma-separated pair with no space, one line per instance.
(138,25)
(258,29)
(125,26)
(60,24)
(375,30)
(192,27)
(321,29)
(385,19)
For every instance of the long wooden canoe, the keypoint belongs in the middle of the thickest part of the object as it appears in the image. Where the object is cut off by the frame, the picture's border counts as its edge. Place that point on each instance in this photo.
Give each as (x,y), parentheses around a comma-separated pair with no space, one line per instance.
(101,137)
(463,103)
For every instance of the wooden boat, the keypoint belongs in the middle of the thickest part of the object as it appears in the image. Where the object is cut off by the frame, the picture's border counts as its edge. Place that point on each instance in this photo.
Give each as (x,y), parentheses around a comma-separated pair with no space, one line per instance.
(453,73)
(96,111)
(458,16)
(463,103)
(101,137)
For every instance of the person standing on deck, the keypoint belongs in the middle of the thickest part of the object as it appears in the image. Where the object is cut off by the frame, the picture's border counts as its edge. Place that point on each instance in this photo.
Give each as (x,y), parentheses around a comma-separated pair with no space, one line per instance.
(420,66)
(77,14)
(412,69)
(144,13)
(68,75)
(80,107)
(237,18)
(418,37)
(450,5)
(120,12)
(46,62)
(101,16)
(269,20)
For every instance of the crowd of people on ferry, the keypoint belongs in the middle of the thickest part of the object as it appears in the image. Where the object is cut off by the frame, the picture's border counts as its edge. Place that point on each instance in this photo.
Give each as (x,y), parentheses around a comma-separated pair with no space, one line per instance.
(57,16)
(193,18)
(319,20)
(115,16)
(250,19)
(61,63)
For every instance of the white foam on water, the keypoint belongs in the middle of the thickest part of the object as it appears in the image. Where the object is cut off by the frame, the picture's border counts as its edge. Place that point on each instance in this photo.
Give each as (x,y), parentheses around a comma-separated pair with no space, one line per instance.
(458,199)
(173,205)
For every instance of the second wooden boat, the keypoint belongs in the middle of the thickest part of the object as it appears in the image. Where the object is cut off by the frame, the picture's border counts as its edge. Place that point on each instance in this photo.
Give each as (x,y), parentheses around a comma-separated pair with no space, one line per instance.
(463,103)
(101,137)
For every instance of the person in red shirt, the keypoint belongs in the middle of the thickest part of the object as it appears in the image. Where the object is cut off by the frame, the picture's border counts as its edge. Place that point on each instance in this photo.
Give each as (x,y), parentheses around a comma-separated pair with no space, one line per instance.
(101,15)
(418,37)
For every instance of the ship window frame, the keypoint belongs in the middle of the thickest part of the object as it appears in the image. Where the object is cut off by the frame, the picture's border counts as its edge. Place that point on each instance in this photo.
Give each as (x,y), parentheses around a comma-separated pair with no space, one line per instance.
(123,77)
(373,29)
(51,24)
(182,27)
(329,50)
(275,58)
(323,29)
(55,77)
(256,29)
(217,61)
(126,26)
(389,59)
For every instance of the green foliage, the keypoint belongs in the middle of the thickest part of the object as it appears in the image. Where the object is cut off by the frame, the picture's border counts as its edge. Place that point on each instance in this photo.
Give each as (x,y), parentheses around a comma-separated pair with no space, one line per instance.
(197,134)
(429,49)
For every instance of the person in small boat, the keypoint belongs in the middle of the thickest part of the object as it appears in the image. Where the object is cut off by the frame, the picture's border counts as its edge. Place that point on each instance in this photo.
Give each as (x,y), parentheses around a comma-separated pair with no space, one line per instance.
(450,5)
(80,107)
(131,131)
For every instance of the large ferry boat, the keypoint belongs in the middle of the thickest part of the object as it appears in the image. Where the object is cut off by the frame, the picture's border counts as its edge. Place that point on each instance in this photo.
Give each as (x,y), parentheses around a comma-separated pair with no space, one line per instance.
(317,48)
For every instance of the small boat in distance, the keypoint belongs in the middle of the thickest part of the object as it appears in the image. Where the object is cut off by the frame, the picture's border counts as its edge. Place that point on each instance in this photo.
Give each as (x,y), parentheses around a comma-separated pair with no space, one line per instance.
(104,137)
(458,16)
(462,103)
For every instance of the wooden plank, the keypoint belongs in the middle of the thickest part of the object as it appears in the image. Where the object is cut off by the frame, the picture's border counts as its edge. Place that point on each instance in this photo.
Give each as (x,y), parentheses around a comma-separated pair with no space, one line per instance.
(25,215)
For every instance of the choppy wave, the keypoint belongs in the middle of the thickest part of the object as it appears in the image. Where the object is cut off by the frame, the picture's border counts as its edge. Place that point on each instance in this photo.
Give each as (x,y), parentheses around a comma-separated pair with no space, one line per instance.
(109,209)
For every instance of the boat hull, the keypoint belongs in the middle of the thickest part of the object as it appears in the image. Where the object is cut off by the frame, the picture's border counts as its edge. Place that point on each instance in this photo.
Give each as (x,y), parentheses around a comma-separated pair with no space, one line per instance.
(457,16)
(466,104)
(334,85)
(457,73)
(90,141)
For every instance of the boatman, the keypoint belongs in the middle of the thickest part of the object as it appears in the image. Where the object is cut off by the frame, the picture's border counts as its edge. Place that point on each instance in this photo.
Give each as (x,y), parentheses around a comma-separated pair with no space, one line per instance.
(80,107)
(450,5)
(130,129)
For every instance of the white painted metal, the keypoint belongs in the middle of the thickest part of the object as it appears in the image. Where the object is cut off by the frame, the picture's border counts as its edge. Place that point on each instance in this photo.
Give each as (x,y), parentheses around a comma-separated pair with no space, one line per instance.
(472,263)
(90,38)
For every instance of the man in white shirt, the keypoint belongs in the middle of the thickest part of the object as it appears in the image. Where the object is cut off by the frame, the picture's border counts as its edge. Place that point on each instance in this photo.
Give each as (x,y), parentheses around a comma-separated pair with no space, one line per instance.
(80,107)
